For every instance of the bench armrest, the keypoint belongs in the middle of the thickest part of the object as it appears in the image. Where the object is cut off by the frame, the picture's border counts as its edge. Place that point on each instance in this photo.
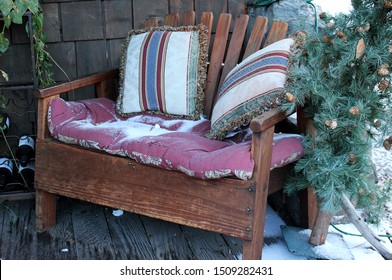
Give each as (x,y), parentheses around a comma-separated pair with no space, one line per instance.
(267,120)
(75,84)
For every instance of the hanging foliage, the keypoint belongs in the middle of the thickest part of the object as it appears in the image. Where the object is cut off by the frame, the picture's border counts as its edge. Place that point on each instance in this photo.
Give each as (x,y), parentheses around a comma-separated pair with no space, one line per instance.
(12,12)
(343,75)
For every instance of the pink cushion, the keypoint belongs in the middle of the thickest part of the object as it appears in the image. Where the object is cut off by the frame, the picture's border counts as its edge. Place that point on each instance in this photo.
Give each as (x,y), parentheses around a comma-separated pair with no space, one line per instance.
(161,141)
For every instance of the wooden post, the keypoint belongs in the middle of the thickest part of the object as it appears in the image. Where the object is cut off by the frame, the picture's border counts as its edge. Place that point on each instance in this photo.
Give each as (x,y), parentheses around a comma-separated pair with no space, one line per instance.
(320,228)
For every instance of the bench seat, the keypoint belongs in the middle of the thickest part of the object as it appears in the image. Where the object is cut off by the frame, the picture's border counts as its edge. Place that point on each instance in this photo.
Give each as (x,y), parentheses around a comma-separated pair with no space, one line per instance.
(169,143)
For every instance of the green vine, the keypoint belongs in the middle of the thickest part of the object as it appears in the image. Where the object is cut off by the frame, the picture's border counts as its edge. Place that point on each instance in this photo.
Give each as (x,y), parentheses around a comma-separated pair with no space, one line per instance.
(12,12)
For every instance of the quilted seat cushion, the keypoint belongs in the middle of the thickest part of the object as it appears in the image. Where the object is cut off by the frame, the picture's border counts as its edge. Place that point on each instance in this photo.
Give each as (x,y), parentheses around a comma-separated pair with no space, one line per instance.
(161,141)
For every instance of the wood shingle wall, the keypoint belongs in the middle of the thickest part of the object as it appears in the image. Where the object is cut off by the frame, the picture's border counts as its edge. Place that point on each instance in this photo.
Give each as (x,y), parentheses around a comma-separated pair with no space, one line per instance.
(87,36)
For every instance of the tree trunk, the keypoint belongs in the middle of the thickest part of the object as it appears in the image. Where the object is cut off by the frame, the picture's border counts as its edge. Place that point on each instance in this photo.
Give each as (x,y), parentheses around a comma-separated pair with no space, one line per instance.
(358,222)
(320,228)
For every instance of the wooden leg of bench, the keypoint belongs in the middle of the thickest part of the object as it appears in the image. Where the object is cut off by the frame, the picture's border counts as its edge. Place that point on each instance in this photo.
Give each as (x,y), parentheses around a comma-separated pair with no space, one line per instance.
(262,153)
(252,249)
(45,207)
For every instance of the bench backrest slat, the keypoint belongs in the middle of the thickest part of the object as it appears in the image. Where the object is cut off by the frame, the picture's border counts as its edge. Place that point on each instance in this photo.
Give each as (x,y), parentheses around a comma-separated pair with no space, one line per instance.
(277,31)
(189,18)
(256,36)
(216,60)
(207,18)
(235,46)
(151,22)
(172,19)
(226,54)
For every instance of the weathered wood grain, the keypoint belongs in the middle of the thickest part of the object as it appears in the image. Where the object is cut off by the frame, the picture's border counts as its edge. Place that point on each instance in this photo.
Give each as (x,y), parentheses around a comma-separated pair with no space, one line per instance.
(92,238)
(129,236)
(207,246)
(58,242)
(218,205)
(167,239)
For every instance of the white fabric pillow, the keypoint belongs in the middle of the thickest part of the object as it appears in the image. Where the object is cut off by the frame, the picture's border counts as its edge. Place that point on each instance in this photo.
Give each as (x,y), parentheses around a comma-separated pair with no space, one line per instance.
(252,87)
(164,70)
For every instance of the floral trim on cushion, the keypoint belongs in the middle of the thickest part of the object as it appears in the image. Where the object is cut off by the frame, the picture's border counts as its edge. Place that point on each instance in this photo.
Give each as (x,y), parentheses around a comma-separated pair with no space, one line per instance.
(254,86)
(163,70)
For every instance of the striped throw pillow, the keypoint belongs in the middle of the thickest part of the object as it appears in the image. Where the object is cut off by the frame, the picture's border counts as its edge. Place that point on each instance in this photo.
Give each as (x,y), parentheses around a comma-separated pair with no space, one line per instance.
(163,70)
(252,87)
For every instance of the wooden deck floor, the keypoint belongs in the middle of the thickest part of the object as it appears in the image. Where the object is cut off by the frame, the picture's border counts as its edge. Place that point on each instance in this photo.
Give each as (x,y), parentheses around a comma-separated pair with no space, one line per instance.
(87,231)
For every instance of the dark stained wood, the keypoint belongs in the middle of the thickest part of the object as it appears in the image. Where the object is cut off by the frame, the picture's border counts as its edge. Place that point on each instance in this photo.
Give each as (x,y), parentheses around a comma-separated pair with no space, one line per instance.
(256,36)
(277,31)
(217,55)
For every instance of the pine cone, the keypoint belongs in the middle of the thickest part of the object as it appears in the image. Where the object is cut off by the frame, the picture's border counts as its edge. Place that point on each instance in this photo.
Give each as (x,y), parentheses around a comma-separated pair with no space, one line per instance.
(290,97)
(383,70)
(352,158)
(355,110)
(390,48)
(360,29)
(388,4)
(341,35)
(384,84)
(387,145)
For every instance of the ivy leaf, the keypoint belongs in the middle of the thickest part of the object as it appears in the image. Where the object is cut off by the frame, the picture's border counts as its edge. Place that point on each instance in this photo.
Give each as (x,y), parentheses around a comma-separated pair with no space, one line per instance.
(17,16)
(5,7)
(19,9)
(7,20)
(33,6)
(4,43)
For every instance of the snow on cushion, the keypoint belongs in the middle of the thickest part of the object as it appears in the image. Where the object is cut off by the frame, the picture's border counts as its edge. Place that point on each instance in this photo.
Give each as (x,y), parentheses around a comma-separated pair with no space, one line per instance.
(174,144)
(163,70)
(252,87)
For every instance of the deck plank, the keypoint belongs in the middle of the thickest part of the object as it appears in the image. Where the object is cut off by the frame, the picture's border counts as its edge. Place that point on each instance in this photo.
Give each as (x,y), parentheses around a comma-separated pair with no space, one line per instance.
(93,241)
(58,242)
(129,236)
(167,239)
(18,229)
(207,245)
(89,231)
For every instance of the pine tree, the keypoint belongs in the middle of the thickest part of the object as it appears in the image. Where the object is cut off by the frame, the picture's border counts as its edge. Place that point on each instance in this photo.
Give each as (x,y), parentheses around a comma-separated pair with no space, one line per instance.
(342,75)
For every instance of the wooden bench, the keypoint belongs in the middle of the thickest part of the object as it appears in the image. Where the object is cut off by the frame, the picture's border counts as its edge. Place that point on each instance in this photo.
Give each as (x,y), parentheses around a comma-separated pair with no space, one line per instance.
(228,206)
